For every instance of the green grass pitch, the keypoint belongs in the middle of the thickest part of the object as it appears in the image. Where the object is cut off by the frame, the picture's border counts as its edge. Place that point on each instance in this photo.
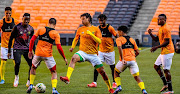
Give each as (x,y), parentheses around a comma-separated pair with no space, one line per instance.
(83,75)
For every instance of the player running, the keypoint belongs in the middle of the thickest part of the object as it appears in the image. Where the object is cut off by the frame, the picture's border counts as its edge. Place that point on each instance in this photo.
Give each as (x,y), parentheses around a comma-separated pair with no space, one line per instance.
(90,36)
(106,48)
(47,36)
(21,33)
(6,26)
(167,53)
(128,51)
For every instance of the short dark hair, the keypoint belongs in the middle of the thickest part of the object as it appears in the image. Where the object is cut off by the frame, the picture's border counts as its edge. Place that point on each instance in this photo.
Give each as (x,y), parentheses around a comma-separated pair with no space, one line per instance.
(52,21)
(26,14)
(162,15)
(8,8)
(87,15)
(102,17)
(123,28)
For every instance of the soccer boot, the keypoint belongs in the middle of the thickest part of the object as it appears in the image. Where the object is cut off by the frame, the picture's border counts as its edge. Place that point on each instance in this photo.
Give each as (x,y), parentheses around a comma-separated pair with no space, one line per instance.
(164,88)
(30,88)
(114,85)
(2,82)
(28,83)
(54,91)
(118,89)
(64,79)
(111,90)
(16,81)
(144,91)
(168,92)
(93,84)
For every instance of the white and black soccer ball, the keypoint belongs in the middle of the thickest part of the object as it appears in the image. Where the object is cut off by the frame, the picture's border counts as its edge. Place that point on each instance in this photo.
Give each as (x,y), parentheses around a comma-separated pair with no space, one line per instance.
(40,88)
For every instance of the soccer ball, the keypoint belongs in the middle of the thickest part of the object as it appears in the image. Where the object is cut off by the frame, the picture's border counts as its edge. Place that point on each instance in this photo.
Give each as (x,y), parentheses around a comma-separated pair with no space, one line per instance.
(40,88)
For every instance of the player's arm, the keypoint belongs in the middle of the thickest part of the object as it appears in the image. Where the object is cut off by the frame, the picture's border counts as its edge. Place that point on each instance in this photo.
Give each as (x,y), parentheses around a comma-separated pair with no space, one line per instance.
(58,44)
(135,48)
(121,54)
(1,24)
(31,46)
(13,35)
(75,40)
(155,38)
(31,35)
(96,39)
(164,44)
(113,31)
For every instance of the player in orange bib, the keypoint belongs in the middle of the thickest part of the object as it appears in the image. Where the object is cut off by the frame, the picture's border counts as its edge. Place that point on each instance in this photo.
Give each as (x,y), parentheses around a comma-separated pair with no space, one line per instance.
(47,36)
(167,53)
(106,48)
(128,51)
(90,36)
(6,26)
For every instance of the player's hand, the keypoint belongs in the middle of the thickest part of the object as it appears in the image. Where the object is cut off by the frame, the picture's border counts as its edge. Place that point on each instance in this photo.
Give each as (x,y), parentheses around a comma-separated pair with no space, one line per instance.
(88,32)
(150,31)
(30,54)
(9,55)
(124,62)
(71,49)
(153,49)
(66,61)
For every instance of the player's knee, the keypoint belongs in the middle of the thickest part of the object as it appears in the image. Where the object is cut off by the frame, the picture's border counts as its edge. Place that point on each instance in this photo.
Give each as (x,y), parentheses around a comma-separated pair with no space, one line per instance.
(156,67)
(53,69)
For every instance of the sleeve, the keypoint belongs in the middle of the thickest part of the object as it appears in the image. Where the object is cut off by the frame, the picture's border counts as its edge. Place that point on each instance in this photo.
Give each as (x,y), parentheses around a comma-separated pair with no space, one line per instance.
(37,33)
(112,31)
(57,38)
(98,33)
(135,45)
(1,24)
(167,33)
(118,42)
(75,40)
(32,32)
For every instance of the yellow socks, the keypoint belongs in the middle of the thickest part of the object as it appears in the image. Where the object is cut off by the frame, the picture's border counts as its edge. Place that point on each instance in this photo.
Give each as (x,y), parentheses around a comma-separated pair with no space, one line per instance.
(54,83)
(141,85)
(69,72)
(32,77)
(2,69)
(14,62)
(118,81)
(108,84)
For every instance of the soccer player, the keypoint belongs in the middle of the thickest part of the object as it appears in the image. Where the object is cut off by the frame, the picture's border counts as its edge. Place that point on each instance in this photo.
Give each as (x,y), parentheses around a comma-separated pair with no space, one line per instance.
(128,51)
(6,25)
(21,33)
(90,36)
(106,48)
(47,36)
(167,52)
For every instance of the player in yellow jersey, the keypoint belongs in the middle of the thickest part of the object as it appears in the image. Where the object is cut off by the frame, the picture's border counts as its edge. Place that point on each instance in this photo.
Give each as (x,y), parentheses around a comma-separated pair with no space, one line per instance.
(106,48)
(90,36)
(128,50)
(6,25)
(167,53)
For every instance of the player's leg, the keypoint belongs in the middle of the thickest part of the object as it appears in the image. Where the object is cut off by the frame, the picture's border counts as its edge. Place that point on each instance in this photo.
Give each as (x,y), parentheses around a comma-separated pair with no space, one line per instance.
(135,72)
(17,57)
(166,63)
(110,60)
(29,61)
(94,83)
(157,67)
(120,67)
(35,62)
(75,58)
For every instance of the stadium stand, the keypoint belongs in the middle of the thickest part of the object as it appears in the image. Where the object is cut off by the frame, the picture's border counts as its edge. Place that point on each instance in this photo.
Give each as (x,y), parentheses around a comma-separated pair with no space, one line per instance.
(172,10)
(120,12)
(3,4)
(67,12)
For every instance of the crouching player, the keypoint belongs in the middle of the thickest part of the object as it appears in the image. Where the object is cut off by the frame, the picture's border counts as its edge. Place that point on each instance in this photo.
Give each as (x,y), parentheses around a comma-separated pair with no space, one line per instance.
(47,36)
(126,46)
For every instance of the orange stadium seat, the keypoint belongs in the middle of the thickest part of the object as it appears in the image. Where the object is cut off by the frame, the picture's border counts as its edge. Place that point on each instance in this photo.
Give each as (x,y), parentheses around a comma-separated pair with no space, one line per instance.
(67,12)
(172,10)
